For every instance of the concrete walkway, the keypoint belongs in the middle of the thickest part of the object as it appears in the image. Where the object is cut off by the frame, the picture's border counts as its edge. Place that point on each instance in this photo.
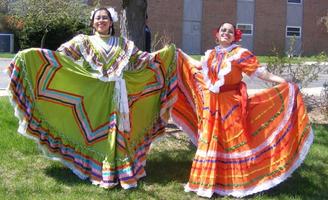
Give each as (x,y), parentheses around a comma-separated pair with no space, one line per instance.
(4,80)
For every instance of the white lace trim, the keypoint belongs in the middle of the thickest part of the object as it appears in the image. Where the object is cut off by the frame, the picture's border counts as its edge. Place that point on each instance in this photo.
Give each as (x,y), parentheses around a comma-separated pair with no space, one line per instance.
(22,130)
(258,72)
(180,83)
(185,129)
(120,95)
(122,65)
(223,72)
(265,143)
(261,187)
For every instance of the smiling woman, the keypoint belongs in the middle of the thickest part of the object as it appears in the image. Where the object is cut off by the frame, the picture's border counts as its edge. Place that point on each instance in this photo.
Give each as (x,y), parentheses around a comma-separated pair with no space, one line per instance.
(89,116)
(102,22)
(245,144)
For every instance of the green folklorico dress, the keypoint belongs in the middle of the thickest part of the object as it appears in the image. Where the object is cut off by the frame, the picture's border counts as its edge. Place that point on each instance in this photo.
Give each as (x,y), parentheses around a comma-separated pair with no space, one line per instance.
(98,117)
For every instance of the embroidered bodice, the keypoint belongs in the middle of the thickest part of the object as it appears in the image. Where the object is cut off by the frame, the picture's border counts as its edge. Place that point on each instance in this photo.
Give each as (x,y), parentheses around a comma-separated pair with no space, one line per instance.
(225,66)
(105,56)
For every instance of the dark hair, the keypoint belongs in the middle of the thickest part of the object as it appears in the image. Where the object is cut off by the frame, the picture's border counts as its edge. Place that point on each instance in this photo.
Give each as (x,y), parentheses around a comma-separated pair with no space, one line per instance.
(111,29)
(234,27)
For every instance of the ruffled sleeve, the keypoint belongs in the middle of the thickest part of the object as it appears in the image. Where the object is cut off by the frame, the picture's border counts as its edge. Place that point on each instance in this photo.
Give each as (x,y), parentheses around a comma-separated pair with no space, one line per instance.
(72,47)
(248,62)
(139,59)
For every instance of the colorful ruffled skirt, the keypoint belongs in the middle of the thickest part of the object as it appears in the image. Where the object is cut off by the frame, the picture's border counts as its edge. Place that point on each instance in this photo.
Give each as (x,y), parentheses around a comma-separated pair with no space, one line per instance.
(73,116)
(236,158)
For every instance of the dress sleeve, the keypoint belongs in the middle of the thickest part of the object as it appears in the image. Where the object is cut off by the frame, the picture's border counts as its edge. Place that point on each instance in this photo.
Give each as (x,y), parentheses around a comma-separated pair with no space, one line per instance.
(139,58)
(72,48)
(248,62)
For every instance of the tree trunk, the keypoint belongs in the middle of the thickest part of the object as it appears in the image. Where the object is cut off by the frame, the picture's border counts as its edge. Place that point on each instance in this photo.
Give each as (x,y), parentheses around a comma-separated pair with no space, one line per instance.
(43,40)
(136,16)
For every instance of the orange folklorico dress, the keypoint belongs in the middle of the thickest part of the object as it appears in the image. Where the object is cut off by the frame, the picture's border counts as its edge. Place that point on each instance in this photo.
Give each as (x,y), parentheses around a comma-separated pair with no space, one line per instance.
(244,144)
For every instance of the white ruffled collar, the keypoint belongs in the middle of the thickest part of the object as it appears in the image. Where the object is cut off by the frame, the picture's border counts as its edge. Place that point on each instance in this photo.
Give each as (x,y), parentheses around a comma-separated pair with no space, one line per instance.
(219,49)
(215,87)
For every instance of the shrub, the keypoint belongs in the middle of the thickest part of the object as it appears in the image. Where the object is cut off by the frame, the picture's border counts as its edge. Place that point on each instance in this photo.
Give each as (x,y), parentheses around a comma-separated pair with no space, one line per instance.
(324,98)
(295,70)
(47,23)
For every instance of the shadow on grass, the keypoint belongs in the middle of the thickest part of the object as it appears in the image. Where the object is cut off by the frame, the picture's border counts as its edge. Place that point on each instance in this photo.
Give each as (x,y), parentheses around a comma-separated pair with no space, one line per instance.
(64,175)
(303,186)
(162,168)
(169,166)
(309,181)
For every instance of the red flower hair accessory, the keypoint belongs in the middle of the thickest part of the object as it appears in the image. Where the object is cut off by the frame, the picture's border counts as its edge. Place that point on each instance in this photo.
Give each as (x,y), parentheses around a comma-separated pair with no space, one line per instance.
(238,35)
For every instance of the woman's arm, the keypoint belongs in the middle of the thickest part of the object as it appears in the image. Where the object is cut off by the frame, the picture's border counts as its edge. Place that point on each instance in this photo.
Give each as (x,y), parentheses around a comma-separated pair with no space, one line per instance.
(267,76)
(72,47)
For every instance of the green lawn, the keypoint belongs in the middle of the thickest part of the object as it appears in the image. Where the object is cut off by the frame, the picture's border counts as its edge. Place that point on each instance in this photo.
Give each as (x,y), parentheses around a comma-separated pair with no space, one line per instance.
(262,59)
(26,174)
(266,59)
(6,55)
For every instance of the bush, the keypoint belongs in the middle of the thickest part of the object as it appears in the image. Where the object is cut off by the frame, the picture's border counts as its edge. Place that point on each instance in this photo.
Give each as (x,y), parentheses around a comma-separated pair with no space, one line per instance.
(47,23)
(324,98)
(295,70)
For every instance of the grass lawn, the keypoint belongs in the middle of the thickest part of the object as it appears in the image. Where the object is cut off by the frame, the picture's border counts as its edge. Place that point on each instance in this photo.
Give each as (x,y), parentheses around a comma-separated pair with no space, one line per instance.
(266,59)
(26,174)
(7,55)
(262,59)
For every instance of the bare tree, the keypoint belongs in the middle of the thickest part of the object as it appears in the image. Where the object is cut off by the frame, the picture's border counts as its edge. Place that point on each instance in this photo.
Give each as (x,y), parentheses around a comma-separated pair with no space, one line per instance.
(324,20)
(136,16)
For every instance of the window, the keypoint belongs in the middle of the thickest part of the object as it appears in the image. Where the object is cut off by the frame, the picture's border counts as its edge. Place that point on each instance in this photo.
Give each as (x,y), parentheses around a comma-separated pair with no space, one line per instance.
(294,1)
(293,31)
(6,42)
(247,29)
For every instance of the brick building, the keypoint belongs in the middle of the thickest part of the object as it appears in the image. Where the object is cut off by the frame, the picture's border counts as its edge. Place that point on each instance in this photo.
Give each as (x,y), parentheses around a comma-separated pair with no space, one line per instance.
(266,24)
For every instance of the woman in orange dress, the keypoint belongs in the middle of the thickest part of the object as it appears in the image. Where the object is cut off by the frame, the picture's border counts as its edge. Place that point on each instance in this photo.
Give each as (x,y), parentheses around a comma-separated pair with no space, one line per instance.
(244,144)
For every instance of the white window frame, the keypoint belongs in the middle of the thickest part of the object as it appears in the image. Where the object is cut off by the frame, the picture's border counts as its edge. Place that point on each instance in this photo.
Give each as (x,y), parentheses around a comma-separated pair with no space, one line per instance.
(11,36)
(294,2)
(290,36)
(242,24)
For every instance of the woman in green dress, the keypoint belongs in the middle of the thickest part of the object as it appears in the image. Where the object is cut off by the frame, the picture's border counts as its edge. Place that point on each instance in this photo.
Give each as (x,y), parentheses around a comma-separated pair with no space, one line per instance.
(91,116)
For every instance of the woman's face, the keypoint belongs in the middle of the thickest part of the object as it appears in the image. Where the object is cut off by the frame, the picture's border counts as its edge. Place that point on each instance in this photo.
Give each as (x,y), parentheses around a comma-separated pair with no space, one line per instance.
(226,34)
(102,22)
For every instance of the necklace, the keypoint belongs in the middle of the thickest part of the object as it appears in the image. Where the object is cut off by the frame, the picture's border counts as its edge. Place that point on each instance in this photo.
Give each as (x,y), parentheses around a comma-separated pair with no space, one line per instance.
(102,35)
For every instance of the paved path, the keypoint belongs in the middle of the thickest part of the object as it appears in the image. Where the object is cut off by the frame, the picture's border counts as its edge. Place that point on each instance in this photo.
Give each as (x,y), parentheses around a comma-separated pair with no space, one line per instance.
(253,85)
(4,62)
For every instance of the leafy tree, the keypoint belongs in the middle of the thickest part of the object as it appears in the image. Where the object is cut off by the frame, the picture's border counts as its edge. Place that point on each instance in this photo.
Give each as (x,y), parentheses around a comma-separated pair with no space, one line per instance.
(47,23)
(3,10)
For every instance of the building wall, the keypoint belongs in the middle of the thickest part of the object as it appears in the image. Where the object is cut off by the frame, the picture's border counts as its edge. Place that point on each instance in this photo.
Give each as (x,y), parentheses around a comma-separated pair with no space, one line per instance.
(294,18)
(315,34)
(192,26)
(245,15)
(269,28)
(270,25)
(165,19)
(216,12)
